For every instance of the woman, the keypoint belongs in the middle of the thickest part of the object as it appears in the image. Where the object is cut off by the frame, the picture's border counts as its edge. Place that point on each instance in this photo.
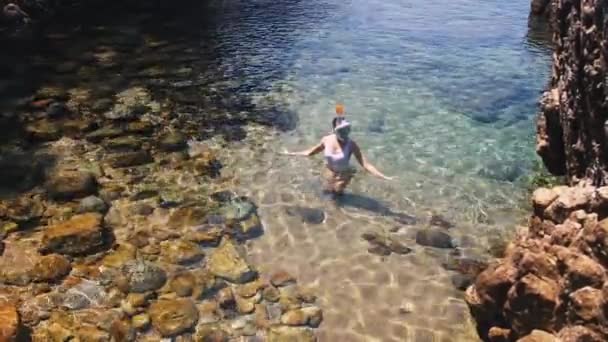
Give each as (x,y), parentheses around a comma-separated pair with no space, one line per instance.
(338,148)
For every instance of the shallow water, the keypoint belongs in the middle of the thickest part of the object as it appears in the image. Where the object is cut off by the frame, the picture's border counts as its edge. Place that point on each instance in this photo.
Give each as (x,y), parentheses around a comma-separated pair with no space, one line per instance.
(441,94)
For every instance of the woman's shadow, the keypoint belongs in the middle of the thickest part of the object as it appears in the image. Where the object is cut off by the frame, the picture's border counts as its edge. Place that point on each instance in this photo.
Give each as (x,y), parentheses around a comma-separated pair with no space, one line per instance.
(370,204)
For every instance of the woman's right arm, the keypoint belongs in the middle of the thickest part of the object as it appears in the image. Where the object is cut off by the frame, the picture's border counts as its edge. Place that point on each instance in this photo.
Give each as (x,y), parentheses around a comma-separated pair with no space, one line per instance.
(311,151)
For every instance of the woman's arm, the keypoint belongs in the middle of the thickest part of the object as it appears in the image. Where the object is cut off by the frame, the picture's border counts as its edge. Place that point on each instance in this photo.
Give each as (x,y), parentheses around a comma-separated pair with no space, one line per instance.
(311,151)
(367,165)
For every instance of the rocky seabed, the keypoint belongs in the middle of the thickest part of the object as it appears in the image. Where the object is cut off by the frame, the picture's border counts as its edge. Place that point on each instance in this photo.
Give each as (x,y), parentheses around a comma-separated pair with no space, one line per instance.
(124,230)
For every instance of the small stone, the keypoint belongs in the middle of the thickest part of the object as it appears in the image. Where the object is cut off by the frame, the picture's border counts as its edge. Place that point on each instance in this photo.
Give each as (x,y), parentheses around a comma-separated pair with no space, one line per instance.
(542,198)
(206,235)
(250,289)
(92,204)
(305,294)
(102,105)
(173,317)
(434,238)
(577,333)
(250,227)
(440,221)
(82,234)
(140,321)
(587,304)
(290,334)
(50,268)
(307,215)
(10,324)
(181,252)
(461,281)
(497,334)
(305,316)
(140,127)
(128,143)
(104,133)
(129,159)
(226,262)
(121,255)
(143,276)
(538,336)
(172,141)
(57,109)
(43,130)
(381,250)
(244,306)
(183,284)
(271,294)
(121,330)
(211,333)
(398,247)
(281,278)
(225,298)
(67,184)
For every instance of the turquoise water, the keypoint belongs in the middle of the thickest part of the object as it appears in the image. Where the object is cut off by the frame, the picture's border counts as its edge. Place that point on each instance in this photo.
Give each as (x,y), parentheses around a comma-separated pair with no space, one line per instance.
(442,95)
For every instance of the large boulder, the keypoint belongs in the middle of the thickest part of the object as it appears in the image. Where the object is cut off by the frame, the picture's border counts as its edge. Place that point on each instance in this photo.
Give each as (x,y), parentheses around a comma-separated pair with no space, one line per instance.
(82,234)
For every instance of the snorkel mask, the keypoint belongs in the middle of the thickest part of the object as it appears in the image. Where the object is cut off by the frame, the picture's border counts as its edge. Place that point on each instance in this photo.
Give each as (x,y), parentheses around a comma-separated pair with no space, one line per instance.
(342,130)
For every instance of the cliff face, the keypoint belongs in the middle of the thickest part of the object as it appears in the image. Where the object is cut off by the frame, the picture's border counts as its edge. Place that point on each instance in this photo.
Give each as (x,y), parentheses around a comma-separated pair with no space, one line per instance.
(571,128)
(552,284)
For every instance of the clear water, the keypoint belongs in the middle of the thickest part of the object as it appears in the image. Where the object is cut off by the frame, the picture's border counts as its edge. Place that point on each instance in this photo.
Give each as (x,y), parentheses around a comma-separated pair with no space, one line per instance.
(442,95)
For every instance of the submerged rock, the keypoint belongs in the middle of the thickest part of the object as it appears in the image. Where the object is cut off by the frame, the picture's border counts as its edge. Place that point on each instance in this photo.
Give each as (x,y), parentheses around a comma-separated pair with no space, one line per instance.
(129,159)
(227,263)
(181,252)
(143,276)
(308,215)
(92,204)
(433,237)
(82,234)
(173,141)
(69,184)
(173,317)
(290,334)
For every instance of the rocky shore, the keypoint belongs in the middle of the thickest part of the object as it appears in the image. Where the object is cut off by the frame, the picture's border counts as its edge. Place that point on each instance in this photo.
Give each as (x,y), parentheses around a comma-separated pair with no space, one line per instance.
(551,284)
(124,229)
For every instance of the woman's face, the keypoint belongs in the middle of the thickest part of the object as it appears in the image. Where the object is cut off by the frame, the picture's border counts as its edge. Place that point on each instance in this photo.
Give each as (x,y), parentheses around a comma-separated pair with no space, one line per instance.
(342,133)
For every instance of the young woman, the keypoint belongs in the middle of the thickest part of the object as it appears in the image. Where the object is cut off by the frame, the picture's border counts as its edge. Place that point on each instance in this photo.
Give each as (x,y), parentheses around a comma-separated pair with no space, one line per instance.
(338,148)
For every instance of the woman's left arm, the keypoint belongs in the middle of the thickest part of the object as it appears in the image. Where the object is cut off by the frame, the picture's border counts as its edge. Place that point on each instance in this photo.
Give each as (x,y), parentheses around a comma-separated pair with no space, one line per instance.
(367,165)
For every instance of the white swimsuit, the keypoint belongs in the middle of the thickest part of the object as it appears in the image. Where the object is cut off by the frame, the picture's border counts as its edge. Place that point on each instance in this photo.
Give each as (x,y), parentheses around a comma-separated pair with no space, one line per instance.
(339,161)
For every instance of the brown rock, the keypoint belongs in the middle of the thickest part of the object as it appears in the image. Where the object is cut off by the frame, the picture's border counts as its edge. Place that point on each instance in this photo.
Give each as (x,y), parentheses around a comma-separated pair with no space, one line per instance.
(578,333)
(141,321)
(261,316)
(207,236)
(583,271)
(587,304)
(538,336)
(9,323)
(572,199)
(129,159)
(87,333)
(225,298)
(311,316)
(211,333)
(271,294)
(497,334)
(540,264)
(250,289)
(82,234)
(51,268)
(542,198)
(227,263)
(245,305)
(290,334)
(531,304)
(493,283)
(122,331)
(69,184)
(183,284)
(123,253)
(281,278)
(181,252)
(173,317)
